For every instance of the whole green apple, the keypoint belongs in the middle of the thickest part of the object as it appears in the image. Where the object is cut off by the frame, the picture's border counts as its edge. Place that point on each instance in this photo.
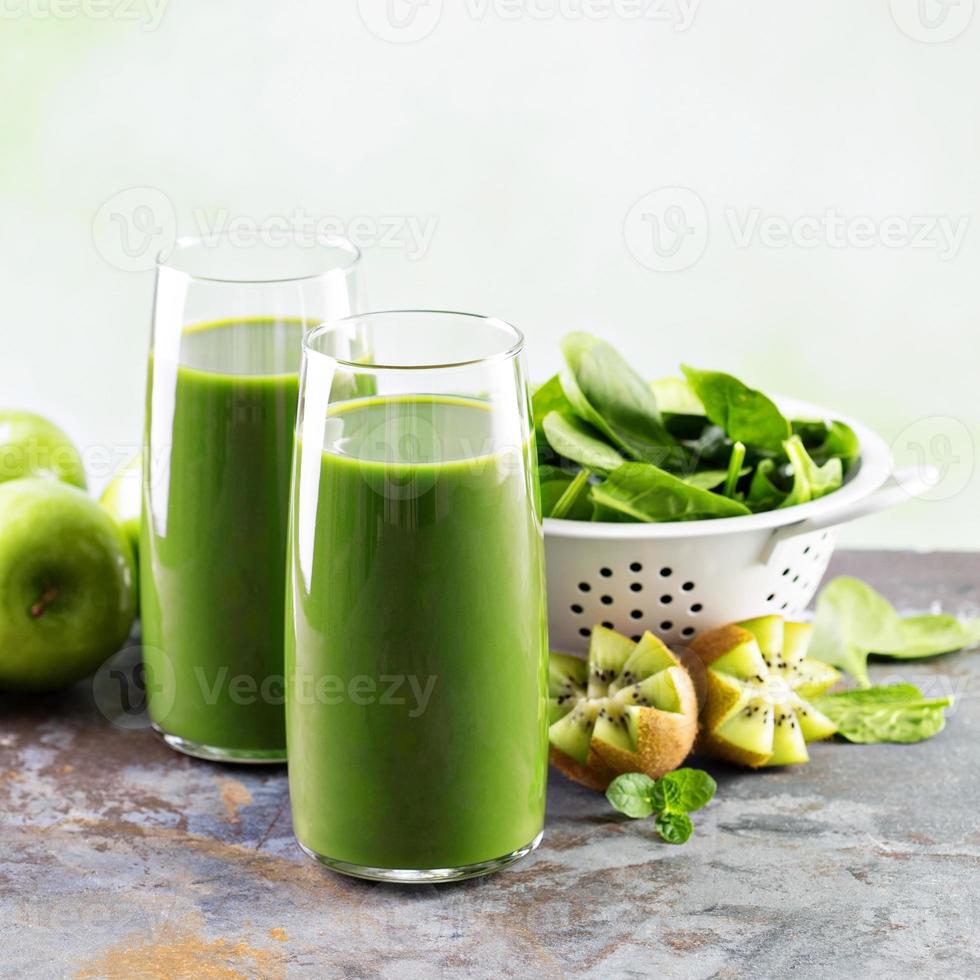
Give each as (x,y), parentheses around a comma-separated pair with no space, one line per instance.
(67,585)
(123,498)
(32,446)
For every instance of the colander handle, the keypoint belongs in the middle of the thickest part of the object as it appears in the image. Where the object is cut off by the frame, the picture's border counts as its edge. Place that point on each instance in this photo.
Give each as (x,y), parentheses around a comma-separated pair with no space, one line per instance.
(900,486)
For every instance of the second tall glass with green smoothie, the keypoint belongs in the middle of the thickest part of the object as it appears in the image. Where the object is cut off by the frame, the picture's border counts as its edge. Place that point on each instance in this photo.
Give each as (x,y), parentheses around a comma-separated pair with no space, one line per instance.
(222,390)
(415,623)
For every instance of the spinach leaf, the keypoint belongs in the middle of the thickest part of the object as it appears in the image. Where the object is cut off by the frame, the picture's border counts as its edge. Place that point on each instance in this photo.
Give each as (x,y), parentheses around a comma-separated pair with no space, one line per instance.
(746,415)
(608,394)
(573,504)
(809,480)
(707,479)
(553,481)
(931,634)
(734,469)
(763,492)
(896,713)
(675,396)
(578,441)
(548,397)
(647,493)
(851,621)
(828,440)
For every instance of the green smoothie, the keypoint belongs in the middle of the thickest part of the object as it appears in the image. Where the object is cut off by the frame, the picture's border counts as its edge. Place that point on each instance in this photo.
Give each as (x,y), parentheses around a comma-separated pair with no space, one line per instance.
(416,640)
(213,538)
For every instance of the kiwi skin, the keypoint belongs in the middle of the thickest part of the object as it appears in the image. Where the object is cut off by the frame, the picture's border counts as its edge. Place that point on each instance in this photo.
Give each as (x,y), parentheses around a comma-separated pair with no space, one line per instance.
(664,741)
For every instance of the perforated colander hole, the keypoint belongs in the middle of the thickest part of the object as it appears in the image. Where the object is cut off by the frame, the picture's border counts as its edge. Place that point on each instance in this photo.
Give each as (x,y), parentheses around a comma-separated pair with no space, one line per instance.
(696,608)
(635,566)
(636,614)
(666,600)
(785,572)
(606,600)
(666,572)
(770,597)
(584,631)
(688,586)
(783,606)
(576,608)
(605,572)
(636,637)
(584,587)
(806,550)
(636,586)
(825,535)
(607,624)
(687,631)
(666,625)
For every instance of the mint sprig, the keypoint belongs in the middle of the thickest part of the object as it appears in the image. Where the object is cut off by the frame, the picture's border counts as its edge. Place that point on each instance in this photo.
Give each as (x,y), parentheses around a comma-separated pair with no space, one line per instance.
(671,798)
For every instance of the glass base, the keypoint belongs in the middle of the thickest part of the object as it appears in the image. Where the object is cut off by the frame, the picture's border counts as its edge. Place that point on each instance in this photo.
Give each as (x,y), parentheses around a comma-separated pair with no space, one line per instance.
(214,753)
(425,876)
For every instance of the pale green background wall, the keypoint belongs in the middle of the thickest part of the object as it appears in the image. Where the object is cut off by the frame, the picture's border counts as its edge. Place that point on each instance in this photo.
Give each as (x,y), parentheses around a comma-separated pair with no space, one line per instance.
(525,143)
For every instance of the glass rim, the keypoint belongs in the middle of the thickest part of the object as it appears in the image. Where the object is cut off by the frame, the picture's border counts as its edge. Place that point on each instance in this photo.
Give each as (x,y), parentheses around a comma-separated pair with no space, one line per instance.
(329,326)
(164,259)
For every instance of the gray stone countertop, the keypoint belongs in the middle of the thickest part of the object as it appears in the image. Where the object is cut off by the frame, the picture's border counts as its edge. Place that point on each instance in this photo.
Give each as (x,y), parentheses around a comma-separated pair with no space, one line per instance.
(120,858)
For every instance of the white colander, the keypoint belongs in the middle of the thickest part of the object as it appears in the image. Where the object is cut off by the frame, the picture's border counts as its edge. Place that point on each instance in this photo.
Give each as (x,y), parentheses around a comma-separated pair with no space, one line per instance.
(679,578)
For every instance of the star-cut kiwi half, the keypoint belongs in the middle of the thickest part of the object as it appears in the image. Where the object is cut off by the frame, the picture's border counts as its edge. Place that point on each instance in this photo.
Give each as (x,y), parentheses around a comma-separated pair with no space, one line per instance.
(630,707)
(759,679)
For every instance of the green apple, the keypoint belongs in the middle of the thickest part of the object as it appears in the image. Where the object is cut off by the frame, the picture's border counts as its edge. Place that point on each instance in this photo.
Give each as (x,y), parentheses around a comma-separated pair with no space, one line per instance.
(32,446)
(123,498)
(67,585)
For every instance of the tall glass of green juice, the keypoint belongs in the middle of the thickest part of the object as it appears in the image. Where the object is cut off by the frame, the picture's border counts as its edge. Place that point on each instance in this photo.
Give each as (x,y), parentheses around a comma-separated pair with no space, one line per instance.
(416,647)
(222,390)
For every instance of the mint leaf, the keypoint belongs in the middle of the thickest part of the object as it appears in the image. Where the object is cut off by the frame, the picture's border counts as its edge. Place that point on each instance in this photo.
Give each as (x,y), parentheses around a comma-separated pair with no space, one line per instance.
(632,794)
(895,713)
(674,827)
(670,797)
(686,790)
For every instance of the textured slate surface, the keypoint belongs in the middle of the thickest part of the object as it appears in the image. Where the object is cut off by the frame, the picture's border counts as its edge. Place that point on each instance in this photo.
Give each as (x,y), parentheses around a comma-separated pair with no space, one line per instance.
(119,858)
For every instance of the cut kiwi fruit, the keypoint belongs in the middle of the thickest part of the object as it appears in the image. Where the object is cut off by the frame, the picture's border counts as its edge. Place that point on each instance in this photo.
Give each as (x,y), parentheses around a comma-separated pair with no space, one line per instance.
(759,680)
(630,707)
